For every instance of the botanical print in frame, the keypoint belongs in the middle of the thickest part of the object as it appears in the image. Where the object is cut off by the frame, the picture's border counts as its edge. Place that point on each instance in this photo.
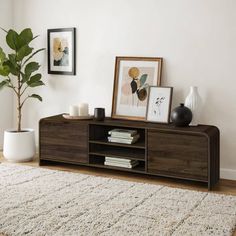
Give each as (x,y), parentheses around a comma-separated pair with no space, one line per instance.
(159,104)
(133,76)
(61,51)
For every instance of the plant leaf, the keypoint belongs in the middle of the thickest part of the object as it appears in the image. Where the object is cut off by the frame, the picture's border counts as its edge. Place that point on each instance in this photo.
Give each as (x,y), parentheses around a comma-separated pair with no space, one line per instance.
(35,81)
(2,56)
(25,77)
(23,52)
(36,96)
(143,79)
(12,39)
(35,78)
(26,36)
(36,84)
(39,50)
(31,67)
(12,67)
(4,83)
(12,58)
(4,70)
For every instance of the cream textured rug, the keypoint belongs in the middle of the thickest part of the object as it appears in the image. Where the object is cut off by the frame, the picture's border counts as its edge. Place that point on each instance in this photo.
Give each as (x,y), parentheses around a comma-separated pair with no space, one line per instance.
(37,201)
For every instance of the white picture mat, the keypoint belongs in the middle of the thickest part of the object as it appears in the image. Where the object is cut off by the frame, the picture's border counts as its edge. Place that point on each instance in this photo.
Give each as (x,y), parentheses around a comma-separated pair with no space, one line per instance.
(127,110)
(159,113)
(68,36)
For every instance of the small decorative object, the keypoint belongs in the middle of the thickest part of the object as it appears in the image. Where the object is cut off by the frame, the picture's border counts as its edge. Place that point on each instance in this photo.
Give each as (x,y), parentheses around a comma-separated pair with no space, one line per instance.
(181,115)
(159,104)
(61,51)
(99,114)
(73,110)
(194,102)
(133,76)
(83,109)
(21,75)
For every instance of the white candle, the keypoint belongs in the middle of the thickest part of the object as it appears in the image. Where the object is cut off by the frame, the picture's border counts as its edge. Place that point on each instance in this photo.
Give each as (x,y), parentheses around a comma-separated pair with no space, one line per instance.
(73,110)
(83,109)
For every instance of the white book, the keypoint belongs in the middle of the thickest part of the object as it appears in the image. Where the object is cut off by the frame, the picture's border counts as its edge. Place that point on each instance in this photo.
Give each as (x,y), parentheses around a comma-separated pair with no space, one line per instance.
(121,162)
(122,132)
(135,137)
(119,165)
(118,159)
(122,140)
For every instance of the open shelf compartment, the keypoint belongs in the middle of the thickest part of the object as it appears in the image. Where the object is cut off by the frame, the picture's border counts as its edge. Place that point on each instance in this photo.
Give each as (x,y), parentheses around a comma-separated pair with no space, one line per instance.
(98,161)
(99,134)
(117,151)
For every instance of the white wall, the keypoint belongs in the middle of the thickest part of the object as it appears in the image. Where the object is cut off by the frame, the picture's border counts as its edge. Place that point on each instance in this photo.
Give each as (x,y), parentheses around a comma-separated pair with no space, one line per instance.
(6,98)
(196,38)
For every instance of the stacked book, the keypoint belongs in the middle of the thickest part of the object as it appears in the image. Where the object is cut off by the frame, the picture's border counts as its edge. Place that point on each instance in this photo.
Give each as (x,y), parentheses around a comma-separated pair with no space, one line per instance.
(120,162)
(126,136)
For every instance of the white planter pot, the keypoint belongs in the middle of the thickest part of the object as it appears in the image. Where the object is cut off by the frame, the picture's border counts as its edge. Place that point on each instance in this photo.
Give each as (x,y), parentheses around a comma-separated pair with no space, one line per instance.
(19,146)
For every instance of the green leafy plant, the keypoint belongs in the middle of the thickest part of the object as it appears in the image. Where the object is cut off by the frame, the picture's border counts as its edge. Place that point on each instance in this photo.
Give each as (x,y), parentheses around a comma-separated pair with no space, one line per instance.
(18,70)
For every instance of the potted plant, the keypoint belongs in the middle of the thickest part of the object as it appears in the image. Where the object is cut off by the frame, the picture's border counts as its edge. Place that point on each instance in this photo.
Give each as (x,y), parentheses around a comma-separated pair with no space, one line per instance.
(19,72)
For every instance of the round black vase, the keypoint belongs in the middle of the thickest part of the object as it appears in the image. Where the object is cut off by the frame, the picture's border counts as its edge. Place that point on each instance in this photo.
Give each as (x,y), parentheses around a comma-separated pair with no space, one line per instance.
(181,116)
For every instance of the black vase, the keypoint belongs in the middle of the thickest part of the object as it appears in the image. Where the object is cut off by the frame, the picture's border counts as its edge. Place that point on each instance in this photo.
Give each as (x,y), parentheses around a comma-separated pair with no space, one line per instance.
(181,116)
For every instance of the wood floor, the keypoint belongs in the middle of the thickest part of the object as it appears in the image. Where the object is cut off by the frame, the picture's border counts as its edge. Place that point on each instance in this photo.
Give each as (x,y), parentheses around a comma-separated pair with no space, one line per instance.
(223,187)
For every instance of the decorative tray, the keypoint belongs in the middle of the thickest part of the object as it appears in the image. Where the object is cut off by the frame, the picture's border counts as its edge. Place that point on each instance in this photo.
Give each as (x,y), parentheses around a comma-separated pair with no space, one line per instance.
(67,116)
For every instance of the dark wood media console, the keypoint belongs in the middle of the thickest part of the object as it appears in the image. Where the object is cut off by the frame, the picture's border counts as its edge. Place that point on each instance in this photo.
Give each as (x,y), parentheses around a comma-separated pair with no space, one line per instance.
(190,153)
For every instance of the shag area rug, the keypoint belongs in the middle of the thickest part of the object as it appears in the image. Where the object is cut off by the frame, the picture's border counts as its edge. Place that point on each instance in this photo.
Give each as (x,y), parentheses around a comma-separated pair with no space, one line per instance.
(37,201)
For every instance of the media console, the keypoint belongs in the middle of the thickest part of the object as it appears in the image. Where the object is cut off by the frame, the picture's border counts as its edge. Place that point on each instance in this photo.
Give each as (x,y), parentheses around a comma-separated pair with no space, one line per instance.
(190,153)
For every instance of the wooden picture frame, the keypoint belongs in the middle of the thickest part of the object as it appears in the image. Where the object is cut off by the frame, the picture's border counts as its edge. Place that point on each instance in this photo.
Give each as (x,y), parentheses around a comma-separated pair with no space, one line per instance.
(159,104)
(62,51)
(133,76)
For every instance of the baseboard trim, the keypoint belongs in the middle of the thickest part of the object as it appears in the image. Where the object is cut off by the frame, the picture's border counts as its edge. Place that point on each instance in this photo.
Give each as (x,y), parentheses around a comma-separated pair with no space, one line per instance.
(227,174)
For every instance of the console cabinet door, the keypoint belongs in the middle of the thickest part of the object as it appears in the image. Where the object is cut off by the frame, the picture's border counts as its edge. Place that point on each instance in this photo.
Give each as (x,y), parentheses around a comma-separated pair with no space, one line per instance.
(178,155)
(64,141)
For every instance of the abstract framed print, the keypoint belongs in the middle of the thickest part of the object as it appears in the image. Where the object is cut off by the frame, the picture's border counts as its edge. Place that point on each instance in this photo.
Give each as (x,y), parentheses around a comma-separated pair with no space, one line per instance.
(159,104)
(133,76)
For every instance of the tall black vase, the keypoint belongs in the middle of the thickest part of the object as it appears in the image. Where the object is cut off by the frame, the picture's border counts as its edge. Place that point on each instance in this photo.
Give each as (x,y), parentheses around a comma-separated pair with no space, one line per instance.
(181,116)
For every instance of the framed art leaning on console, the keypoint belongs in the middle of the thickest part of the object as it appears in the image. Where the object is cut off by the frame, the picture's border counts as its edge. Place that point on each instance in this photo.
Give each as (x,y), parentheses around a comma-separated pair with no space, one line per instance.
(159,104)
(133,76)
(61,51)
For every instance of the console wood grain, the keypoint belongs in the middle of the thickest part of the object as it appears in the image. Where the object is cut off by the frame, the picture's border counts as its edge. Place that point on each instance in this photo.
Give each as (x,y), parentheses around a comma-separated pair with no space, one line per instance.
(190,153)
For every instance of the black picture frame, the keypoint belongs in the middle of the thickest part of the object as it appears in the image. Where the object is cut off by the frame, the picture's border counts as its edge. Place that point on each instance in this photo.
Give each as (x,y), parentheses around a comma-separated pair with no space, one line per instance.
(62,51)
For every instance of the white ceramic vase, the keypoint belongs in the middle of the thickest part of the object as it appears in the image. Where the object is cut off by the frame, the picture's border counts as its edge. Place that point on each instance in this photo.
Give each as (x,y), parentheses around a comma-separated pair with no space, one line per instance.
(19,146)
(194,102)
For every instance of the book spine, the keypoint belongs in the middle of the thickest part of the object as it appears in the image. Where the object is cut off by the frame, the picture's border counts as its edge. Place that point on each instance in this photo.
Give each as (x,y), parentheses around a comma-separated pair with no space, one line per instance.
(120,135)
(135,137)
(118,165)
(121,163)
(118,159)
(115,140)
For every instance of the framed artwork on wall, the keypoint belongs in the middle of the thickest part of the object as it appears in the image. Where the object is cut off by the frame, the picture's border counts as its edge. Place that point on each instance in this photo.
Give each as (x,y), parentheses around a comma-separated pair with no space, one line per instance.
(159,104)
(133,76)
(61,51)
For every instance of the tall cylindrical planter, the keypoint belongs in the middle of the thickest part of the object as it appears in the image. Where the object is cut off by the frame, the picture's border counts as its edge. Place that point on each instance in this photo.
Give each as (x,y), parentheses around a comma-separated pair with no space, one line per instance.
(194,102)
(19,146)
